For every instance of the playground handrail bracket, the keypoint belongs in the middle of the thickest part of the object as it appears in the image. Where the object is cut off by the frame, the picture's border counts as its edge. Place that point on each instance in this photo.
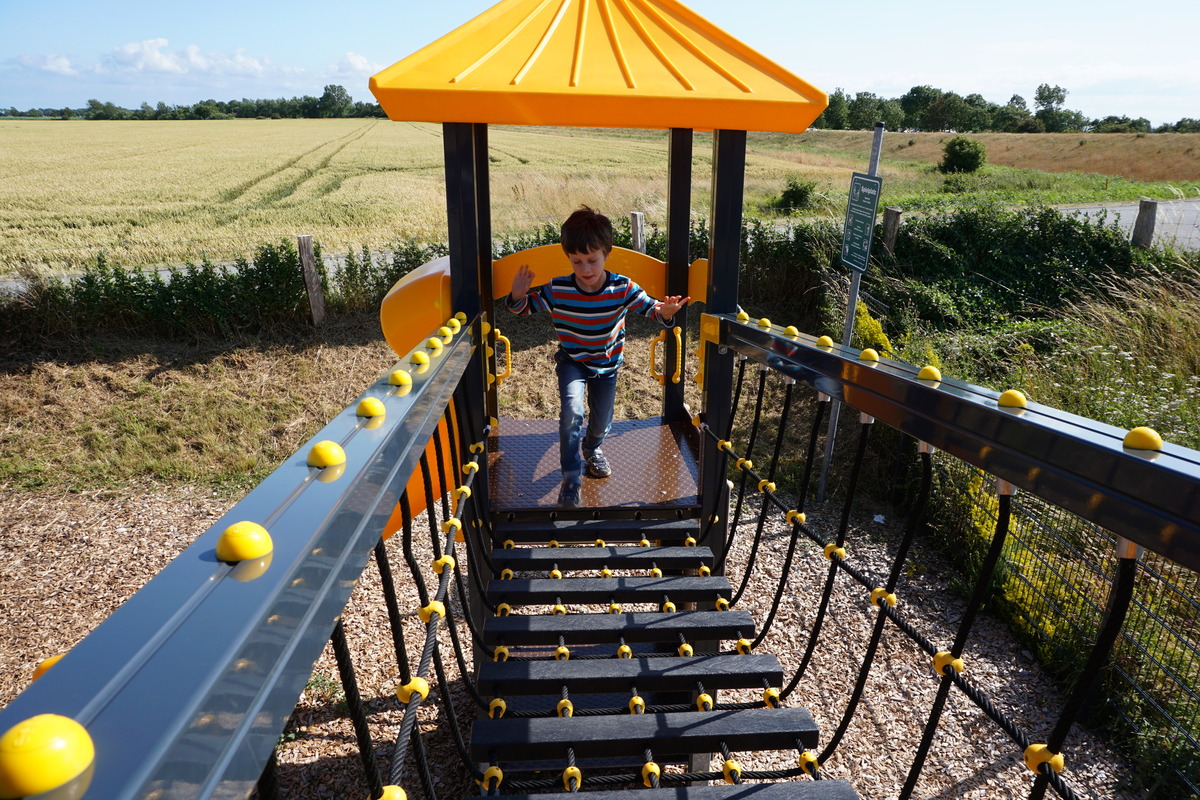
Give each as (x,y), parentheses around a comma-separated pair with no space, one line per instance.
(1079,464)
(192,680)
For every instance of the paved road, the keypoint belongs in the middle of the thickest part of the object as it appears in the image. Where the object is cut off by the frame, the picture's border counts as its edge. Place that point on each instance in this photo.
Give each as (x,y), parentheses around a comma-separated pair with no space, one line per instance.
(1177,223)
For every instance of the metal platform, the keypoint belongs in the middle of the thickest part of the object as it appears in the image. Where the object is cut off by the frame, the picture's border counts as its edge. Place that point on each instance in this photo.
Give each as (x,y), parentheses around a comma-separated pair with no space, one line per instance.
(654,467)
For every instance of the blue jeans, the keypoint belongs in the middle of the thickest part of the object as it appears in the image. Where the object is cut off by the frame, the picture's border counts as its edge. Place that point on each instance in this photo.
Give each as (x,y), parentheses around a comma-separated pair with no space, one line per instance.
(574,380)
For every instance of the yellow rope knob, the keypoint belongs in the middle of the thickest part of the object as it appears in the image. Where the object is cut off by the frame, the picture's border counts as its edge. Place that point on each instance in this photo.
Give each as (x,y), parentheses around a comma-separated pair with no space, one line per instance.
(690,541)
(606,573)
(556,574)
(497,707)
(722,604)
(1038,754)
(470,467)
(453,522)
(565,708)
(744,646)
(1012,399)
(370,407)
(791,330)
(568,774)
(601,543)
(400,377)
(326,454)
(506,574)
(945,659)
(509,544)
(614,608)
(732,771)
(882,594)
(824,341)
(704,702)
(624,651)
(475,447)
(650,774)
(1143,438)
(244,541)
(705,570)
(685,650)
(441,563)
(795,516)
(392,793)
(869,355)
(637,705)
(744,463)
(485,327)
(724,444)
(832,550)
(493,773)
(462,492)
(668,607)
(766,485)
(763,322)
(503,610)
(42,753)
(655,572)
(417,685)
(644,542)
(552,543)
(808,762)
(500,653)
(436,607)
(771,698)
(929,373)
(563,653)
(559,610)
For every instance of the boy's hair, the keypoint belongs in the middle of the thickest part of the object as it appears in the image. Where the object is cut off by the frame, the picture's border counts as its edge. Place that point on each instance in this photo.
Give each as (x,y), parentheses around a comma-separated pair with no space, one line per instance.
(586,230)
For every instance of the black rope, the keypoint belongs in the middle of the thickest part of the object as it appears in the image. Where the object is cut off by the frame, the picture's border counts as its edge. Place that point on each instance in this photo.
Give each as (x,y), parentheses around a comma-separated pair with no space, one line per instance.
(751,439)
(393,609)
(1120,597)
(784,574)
(268,782)
(983,590)
(406,542)
(710,523)
(429,504)
(358,715)
(439,459)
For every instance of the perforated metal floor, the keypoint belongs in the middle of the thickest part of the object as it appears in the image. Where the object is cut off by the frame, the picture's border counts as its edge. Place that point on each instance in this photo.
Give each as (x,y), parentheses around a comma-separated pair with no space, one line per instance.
(654,466)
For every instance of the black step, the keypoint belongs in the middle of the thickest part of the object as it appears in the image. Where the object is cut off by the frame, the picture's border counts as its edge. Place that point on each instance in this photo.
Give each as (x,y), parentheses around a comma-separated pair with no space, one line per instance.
(589,530)
(678,588)
(540,559)
(803,790)
(623,735)
(637,626)
(615,675)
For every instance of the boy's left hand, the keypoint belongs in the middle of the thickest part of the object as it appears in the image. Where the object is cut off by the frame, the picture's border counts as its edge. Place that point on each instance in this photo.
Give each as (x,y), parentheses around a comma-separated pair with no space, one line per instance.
(671,304)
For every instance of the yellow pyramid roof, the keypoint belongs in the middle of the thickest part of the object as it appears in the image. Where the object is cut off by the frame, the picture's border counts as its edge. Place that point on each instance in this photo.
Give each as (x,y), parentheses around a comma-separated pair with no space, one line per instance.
(596,63)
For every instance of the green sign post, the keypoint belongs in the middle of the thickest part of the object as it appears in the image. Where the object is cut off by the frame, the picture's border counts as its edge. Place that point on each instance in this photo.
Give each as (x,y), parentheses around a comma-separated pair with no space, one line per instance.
(860,220)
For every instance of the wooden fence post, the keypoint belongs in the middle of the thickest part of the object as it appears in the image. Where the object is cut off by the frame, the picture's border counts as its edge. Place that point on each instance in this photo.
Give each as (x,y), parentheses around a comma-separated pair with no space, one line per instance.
(1143,229)
(637,227)
(312,281)
(891,225)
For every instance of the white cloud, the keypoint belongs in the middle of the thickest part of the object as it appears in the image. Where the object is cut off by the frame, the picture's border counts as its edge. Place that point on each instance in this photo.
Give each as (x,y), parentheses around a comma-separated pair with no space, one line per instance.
(152,56)
(353,65)
(56,64)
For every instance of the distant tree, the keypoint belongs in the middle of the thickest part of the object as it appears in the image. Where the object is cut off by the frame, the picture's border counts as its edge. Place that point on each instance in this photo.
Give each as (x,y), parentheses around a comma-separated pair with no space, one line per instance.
(1049,101)
(309,107)
(335,102)
(1018,102)
(963,154)
(67,113)
(862,112)
(916,102)
(891,113)
(834,116)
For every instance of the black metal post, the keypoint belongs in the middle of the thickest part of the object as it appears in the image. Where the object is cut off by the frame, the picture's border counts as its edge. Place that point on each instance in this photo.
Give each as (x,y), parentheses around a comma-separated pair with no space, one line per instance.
(679,223)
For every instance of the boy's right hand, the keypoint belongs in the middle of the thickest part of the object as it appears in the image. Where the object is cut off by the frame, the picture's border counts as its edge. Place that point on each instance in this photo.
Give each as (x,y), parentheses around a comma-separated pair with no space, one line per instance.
(521,282)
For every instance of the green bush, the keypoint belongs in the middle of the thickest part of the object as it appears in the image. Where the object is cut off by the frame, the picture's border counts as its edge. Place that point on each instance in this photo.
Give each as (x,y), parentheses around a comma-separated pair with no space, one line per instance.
(963,154)
(796,195)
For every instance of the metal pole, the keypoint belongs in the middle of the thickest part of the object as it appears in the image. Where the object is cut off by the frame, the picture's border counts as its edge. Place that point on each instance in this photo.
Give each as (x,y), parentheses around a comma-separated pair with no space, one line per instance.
(847,332)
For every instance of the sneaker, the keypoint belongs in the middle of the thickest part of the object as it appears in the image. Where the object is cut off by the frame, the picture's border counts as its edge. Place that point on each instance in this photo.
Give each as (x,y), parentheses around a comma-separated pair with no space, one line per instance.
(569,495)
(597,465)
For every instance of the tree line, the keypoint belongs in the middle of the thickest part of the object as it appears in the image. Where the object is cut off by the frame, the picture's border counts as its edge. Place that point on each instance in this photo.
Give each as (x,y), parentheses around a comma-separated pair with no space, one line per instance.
(335,101)
(924,108)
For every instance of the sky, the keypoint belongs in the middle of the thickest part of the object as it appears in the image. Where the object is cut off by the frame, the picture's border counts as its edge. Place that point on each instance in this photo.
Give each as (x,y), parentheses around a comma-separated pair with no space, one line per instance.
(1113,58)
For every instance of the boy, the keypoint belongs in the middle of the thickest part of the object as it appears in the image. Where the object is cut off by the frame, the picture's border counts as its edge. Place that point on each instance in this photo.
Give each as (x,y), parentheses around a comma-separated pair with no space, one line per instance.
(588,308)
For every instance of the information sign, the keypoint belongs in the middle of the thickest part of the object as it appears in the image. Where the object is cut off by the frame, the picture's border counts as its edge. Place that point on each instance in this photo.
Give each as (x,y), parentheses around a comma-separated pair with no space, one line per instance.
(860,220)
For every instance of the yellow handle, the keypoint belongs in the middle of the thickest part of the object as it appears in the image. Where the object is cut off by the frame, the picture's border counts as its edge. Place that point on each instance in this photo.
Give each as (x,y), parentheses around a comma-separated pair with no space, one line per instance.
(507,357)
(678,354)
(658,376)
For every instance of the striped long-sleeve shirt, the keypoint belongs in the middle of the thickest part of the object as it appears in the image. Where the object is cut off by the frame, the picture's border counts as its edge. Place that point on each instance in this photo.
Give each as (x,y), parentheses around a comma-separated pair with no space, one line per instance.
(590,325)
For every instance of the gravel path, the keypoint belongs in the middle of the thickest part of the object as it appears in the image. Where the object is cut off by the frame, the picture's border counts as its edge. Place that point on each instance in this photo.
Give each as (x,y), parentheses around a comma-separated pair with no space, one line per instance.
(68,560)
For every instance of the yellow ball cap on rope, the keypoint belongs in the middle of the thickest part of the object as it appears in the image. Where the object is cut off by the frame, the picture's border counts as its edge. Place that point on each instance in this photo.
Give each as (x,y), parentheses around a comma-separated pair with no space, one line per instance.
(945,659)
(43,753)
(791,330)
(572,773)
(454,325)
(1143,438)
(1012,399)
(392,793)
(420,359)
(1038,754)
(763,322)
(824,341)
(400,377)
(637,705)
(418,686)
(929,373)
(326,454)
(870,354)
(497,707)
(425,613)
(243,541)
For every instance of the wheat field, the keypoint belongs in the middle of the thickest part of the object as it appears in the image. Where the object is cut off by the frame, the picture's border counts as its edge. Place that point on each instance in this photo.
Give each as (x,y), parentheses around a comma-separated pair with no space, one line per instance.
(168,192)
